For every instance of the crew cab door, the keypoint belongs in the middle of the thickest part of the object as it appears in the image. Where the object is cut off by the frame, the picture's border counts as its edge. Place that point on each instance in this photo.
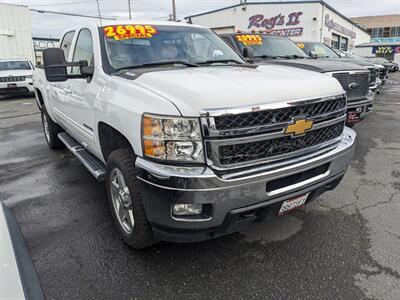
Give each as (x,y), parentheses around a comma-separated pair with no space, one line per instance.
(75,107)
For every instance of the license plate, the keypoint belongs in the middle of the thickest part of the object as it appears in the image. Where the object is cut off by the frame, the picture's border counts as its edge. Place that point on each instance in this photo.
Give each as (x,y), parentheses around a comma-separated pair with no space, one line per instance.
(11,85)
(353,117)
(292,204)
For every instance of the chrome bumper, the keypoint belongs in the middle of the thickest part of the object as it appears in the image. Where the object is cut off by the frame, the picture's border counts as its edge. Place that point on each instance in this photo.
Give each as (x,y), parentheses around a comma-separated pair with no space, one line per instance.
(365,104)
(163,185)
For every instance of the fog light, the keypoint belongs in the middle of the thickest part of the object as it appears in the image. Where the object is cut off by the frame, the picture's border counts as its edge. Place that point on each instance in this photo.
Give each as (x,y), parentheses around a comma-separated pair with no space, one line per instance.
(359,109)
(187,209)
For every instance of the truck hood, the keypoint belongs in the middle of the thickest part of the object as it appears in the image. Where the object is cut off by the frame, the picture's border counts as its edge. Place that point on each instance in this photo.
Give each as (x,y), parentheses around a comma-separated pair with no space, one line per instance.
(352,60)
(317,65)
(8,73)
(216,87)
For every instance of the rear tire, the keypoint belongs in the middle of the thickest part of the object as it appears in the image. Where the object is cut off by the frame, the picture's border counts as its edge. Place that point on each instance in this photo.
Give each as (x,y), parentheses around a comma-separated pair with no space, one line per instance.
(125,201)
(51,131)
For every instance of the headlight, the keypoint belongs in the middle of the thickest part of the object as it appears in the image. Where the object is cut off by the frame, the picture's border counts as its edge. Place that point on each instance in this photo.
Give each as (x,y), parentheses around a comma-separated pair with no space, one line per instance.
(28,76)
(169,138)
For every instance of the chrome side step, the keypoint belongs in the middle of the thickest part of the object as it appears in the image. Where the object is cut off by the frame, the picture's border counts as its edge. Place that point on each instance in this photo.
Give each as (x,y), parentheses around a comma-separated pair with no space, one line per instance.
(92,163)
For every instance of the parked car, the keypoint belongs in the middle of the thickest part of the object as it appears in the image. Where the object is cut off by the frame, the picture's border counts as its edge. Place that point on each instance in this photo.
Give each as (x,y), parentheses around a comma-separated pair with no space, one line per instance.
(192,141)
(391,66)
(18,278)
(16,76)
(384,74)
(322,51)
(271,49)
(381,71)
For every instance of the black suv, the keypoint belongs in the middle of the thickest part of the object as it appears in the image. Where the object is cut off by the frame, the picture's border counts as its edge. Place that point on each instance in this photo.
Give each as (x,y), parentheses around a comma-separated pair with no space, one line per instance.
(262,48)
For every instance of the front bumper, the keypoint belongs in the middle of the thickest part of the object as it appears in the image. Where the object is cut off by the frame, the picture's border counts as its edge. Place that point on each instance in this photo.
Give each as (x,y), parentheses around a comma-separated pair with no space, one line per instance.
(235,203)
(18,87)
(359,109)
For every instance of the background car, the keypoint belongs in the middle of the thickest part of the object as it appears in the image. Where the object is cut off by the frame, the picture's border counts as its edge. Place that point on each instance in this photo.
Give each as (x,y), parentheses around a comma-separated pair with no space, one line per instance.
(16,76)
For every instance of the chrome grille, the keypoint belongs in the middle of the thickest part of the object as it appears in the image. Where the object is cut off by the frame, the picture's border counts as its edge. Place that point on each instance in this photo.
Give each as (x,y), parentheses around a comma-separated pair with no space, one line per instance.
(383,72)
(361,79)
(372,76)
(239,138)
(244,152)
(12,78)
(269,117)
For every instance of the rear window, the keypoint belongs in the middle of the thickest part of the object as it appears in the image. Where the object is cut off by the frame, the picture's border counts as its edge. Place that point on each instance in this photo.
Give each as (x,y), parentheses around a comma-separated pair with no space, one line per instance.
(14,65)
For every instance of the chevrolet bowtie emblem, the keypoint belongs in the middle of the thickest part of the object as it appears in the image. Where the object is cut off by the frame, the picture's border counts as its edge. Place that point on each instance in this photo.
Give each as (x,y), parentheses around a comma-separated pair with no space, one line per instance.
(299,127)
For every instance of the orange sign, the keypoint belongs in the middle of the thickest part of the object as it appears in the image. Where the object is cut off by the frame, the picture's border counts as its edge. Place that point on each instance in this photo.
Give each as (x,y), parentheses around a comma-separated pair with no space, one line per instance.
(250,39)
(123,32)
(300,45)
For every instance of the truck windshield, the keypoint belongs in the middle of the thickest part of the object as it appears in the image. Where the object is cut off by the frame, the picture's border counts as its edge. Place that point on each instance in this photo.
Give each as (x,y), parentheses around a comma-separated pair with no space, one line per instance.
(130,46)
(269,46)
(14,65)
(322,50)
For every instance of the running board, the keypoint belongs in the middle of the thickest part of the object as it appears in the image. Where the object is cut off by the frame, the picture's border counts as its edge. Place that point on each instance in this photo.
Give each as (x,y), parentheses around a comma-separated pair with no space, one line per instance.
(92,163)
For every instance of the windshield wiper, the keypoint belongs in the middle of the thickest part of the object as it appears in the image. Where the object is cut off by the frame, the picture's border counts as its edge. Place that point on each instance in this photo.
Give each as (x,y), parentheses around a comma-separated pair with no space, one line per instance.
(222,61)
(266,56)
(279,56)
(160,63)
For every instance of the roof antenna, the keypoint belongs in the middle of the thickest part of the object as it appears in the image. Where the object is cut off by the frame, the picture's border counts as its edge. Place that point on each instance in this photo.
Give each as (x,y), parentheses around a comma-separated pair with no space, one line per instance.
(98,9)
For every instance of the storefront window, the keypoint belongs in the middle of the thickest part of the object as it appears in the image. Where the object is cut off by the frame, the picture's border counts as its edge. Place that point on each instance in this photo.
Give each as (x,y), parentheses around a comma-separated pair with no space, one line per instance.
(335,41)
(344,42)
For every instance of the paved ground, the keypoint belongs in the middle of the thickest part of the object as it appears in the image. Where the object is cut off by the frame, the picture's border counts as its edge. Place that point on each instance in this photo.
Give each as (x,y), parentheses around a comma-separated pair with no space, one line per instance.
(345,245)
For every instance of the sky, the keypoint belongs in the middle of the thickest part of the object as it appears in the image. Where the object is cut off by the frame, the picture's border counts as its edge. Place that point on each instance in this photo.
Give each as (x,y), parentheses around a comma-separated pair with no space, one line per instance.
(51,25)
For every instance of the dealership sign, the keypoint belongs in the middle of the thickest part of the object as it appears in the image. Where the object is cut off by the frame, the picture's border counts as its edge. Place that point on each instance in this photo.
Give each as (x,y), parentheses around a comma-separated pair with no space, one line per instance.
(44,44)
(385,49)
(330,24)
(277,24)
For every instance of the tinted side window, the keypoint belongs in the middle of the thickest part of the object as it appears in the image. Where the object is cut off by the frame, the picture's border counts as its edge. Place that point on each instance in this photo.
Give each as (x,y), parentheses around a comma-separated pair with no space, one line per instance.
(66,43)
(83,49)
(228,41)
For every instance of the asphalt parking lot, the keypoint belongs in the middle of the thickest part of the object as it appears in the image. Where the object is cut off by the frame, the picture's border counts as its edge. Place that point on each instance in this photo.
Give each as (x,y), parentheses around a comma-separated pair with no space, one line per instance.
(344,245)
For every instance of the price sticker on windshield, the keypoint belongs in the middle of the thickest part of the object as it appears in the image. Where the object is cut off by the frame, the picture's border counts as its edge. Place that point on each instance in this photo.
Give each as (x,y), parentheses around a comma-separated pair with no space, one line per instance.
(124,32)
(250,39)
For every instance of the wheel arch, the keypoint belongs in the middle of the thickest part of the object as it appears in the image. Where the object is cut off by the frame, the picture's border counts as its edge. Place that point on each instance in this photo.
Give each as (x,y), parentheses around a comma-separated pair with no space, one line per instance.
(111,139)
(39,98)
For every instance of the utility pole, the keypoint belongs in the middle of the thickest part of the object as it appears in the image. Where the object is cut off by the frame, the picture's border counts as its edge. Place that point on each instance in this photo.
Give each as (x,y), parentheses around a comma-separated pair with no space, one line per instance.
(173,11)
(129,5)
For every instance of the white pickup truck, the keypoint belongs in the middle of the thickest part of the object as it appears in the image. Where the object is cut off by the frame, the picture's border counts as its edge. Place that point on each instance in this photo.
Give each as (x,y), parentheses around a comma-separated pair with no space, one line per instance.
(192,141)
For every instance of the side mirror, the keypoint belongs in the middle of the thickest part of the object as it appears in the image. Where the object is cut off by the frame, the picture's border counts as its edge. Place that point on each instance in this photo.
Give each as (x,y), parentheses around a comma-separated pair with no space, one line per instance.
(55,66)
(313,54)
(248,54)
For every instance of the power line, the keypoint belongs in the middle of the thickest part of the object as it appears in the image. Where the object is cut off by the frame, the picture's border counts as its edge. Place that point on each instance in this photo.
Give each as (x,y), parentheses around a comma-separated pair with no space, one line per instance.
(60,4)
(70,14)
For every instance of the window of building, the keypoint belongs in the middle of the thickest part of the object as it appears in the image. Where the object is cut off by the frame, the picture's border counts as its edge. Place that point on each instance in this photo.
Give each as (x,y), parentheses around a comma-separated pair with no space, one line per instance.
(335,43)
(344,43)
(377,32)
(394,31)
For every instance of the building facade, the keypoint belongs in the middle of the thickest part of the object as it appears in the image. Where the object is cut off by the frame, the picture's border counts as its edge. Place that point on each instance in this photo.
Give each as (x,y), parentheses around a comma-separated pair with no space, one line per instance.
(300,20)
(40,44)
(385,36)
(15,36)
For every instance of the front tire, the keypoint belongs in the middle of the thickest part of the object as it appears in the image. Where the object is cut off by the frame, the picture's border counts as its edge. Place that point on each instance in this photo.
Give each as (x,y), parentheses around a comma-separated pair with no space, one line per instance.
(125,201)
(51,131)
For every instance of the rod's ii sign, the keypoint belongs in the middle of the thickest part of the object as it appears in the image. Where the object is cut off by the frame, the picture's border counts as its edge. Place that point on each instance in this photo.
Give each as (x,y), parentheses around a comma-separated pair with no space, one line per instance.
(279,24)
